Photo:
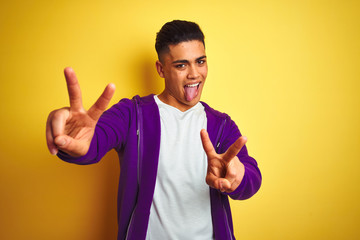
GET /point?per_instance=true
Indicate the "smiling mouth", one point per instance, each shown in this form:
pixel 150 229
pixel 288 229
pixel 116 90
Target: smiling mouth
pixel 193 85
pixel 191 91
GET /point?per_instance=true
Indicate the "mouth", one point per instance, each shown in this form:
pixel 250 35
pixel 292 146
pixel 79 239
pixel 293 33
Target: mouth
pixel 193 85
pixel 191 91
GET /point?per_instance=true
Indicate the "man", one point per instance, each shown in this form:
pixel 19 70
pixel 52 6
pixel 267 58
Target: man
pixel 175 176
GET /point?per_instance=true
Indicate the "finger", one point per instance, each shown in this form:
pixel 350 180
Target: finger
pixel 225 185
pixel 221 184
pixel 58 121
pixel 49 136
pixel 103 101
pixel 55 126
pixel 235 148
pixel 206 142
pixel 73 89
pixel 234 174
pixel 212 181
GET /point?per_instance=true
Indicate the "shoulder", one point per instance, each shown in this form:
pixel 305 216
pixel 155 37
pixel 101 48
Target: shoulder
pixel 230 130
pixel 127 103
pixel 213 114
pixel 144 101
pixel 138 106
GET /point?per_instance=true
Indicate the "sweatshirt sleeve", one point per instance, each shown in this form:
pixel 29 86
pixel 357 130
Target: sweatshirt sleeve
pixel 251 181
pixel 110 132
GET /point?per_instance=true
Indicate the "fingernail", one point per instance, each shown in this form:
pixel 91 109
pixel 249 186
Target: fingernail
pixel 221 187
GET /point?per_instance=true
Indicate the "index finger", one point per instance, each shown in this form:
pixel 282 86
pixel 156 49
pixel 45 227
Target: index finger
pixel 73 89
pixel 206 142
pixel 235 148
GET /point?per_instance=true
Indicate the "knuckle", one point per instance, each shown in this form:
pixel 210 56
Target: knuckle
pixel 209 181
pixel 58 114
pixel 51 115
pixel 232 172
pixel 232 175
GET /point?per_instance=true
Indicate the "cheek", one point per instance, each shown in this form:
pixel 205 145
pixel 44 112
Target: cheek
pixel 174 82
pixel 204 72
pixel 178 78
pixel 205 75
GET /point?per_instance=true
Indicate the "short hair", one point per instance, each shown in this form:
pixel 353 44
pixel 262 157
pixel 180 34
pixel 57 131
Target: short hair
pixel 175 32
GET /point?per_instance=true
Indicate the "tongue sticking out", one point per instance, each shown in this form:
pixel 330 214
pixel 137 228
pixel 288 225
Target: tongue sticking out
pixel 190 93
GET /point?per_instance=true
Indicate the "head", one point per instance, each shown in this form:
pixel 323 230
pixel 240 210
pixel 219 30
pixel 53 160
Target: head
pixel 182 63
pixel 175 32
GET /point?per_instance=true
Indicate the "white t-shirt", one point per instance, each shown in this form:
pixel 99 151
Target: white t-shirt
pixel 181 204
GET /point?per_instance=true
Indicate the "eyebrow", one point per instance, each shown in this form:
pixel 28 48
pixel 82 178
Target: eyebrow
pixel 186 61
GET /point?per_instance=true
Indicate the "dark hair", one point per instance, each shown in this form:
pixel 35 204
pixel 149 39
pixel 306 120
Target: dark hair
pixel 175 32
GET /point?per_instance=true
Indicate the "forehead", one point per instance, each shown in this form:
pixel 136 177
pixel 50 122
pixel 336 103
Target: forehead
pixel 188 50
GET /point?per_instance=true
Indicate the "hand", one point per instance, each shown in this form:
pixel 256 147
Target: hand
pixel 225 172
pixel 71 129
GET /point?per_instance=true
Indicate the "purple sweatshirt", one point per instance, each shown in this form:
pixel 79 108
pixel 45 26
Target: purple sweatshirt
pixel 132 128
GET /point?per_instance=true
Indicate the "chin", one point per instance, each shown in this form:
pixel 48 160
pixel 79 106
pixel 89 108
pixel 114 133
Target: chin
pixel 194 101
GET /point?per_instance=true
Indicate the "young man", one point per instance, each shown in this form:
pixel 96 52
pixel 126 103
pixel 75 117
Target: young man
pixel 180 159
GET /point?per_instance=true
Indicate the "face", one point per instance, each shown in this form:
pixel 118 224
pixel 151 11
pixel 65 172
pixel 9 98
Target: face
pixel 184 69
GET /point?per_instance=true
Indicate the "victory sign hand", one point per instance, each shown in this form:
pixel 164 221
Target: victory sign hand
pixel 225 172
pixel 70 129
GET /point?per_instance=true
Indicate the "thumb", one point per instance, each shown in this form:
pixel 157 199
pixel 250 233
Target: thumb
pixel 221 184
pixel 61 141
pixel 69 145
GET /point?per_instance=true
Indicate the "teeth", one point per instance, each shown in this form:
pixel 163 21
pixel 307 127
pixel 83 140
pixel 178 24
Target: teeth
pixel 192 85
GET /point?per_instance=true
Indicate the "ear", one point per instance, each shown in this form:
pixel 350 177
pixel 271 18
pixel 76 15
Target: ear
pixel 159 68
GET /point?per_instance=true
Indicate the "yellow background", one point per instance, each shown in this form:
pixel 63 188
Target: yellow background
pixel 286 71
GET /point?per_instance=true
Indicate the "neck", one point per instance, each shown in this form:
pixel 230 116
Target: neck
pixel 170 100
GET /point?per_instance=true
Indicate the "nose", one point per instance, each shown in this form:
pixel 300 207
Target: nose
pixel 193 72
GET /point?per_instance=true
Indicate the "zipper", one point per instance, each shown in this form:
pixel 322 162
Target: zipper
pixel 218 138
pixel 219 135
pixel 139 119
pixel 138 127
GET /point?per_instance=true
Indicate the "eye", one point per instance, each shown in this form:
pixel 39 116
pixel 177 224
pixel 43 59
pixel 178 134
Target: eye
pixel 201 61
pixel 180 65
